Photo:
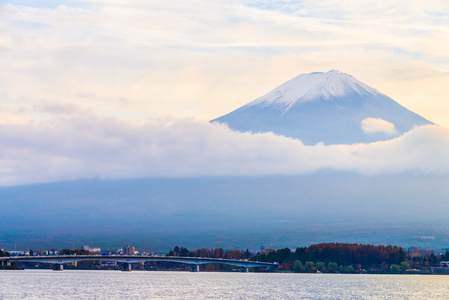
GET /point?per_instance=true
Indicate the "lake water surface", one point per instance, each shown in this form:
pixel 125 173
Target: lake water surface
pixel 77 284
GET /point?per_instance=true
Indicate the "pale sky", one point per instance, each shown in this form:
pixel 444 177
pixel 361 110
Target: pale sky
pixel 94 63
pixel 135 59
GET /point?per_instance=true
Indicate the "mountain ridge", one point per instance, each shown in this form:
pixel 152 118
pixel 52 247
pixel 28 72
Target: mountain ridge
pixel 274 211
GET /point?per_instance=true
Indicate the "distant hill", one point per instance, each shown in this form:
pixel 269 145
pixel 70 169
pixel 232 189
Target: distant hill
pixel 332 107
pixel 228 212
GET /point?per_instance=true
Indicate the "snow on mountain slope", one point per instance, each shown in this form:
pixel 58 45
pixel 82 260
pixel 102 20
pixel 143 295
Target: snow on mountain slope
pixel 331 107
pixel 313 86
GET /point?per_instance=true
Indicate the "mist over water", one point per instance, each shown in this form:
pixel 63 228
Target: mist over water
pixel 46 284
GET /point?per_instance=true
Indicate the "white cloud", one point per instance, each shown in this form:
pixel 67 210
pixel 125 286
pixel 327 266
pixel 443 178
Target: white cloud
pixel 377 125
pixel 206 58
pixel 88 146
pixel 62 66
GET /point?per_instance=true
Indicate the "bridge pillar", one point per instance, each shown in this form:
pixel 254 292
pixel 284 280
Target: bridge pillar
pixel 5 263
pixel 194 268
pixel 58 267
pixel 127 267
pixel 244 269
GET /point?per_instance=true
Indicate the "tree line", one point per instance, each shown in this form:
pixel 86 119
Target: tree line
pixel 210 252
pixel 332 258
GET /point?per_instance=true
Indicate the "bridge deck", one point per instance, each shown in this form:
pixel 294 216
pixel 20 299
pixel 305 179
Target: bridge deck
pixel 130 259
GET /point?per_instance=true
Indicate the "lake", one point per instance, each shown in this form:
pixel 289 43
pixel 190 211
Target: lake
pixel 80 284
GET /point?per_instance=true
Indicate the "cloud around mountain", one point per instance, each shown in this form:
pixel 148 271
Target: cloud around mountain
pixel 90 146
pixel 375 125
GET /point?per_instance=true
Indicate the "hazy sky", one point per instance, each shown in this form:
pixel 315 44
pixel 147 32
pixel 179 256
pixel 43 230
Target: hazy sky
pixel 205 58
pixel 103 88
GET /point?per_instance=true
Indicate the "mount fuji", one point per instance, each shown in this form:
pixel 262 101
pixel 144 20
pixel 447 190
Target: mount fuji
pixel 331 107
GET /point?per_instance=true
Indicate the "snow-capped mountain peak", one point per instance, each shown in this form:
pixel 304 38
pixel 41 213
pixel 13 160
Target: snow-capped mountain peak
pixel 313 86
pixel 331 107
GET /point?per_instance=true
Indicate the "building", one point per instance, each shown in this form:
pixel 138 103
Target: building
pixel 94 250
pixel 128 250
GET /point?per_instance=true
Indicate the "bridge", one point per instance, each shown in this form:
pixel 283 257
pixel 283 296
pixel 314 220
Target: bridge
pixel 127 260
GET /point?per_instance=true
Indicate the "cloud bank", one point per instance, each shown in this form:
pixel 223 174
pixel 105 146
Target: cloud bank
pixel 89 146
